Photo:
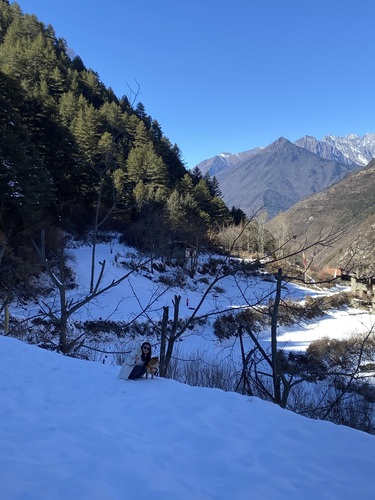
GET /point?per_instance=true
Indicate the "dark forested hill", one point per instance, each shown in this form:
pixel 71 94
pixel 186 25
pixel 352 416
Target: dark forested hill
pixel 73 127
pixel 73 154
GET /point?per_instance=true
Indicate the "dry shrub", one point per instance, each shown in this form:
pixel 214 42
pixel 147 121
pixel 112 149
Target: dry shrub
pixel 338 300
pixel 344 353
pixel 227 325
pixel 290 312
pixel 202 370
pixel 317 306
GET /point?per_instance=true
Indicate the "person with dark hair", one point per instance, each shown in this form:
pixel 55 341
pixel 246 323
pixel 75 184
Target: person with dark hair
pixel 135 363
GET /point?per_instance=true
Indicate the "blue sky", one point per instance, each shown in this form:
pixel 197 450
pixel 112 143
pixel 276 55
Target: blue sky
pixel 229 75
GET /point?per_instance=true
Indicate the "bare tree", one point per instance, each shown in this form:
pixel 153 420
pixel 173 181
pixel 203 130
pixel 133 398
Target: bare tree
pixel 171 333
pixel 282 382
pixel 60 316
pixel 286 372
pixel 106 148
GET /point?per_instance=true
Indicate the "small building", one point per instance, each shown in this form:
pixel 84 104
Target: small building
pixel 181 250
pixel 363 290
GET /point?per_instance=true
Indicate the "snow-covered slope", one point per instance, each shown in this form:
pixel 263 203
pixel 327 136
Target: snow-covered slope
pixel 70 429
pixel 143 290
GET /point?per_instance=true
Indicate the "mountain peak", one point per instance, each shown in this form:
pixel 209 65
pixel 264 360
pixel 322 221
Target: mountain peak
pixel 279 143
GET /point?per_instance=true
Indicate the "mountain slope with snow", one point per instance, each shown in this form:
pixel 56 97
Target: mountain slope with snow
pixel 324 150
pixel 351 149
pixel 72 429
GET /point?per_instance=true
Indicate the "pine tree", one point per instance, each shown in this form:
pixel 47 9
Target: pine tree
pixel 68 108
pixel 140 111
pixel 196 175
pixel 213 185
pixel 86 130
pixel 171 156
pixel 186 186
pixel 203 196
pixel 92 88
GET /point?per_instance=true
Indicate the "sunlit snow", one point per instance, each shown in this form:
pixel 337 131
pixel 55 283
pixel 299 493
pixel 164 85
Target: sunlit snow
pixel 70 429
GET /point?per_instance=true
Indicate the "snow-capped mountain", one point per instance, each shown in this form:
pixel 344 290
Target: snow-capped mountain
pixel 323 149
pixel 282 173
pixel 351 149
pixel 274 177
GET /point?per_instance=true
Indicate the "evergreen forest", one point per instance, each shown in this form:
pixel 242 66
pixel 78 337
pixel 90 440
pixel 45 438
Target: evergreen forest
pixel 74 157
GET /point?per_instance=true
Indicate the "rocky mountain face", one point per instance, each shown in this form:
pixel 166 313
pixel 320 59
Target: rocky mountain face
pixel 273 178
pixel 351 149
pixel 324 150
pixel 346 210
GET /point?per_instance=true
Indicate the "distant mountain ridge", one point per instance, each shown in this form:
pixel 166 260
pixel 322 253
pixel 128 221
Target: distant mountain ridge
pixel 283 173
pixel 223 160
pixel 351 149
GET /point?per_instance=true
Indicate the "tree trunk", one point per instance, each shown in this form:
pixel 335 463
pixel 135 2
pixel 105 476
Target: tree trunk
pixel 245 361
pixel 275 363
pixel 173 336
pixel 6 319
pixel 163 341
pixel 63 308
pixel 95 233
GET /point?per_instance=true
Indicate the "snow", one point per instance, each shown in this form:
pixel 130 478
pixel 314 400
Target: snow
pixel 335 324
pixel 358 149
pixel 72 429
pixel 128 299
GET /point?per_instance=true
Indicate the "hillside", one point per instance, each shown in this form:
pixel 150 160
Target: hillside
pixel 72 429
pixel 347 206
pixel 275 177
pixel 74 156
